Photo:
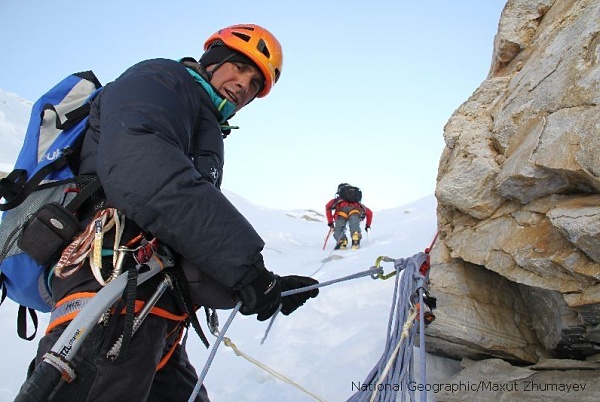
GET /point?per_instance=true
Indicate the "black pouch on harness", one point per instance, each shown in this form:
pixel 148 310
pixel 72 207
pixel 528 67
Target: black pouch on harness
pixel 48 232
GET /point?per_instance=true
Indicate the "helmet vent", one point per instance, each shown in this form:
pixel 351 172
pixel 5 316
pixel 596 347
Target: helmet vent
pixel 262 47
pixel 245 38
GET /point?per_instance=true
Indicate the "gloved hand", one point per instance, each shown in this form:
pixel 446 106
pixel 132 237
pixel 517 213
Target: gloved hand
pixel 261 296
pixel 292 302
pixel 330 224
pixel 367 228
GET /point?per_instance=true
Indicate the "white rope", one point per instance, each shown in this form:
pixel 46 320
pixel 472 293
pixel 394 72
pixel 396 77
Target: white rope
pixel 269 370
pixel 405 334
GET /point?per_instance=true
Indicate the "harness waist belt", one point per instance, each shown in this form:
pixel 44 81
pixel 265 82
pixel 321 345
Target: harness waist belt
pixel 68 308
pixel 346 215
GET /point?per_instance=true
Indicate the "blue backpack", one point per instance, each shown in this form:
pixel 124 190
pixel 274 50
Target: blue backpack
pixel 42 194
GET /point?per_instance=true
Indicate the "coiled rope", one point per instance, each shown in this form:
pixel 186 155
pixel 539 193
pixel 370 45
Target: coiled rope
pixel 394 370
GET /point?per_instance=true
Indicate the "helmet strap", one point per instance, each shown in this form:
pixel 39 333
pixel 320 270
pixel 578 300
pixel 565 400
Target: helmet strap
pixel 209 74
pixel 225 108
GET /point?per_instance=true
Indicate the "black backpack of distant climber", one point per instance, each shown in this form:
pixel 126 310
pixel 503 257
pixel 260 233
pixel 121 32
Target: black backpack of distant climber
pixel 350 193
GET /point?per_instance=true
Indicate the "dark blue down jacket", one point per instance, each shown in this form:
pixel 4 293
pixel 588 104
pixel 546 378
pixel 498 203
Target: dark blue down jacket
pixel 155 143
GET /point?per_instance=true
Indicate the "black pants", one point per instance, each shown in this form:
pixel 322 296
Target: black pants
pixel 133 377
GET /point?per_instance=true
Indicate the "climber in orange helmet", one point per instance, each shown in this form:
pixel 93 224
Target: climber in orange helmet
pixel 155 141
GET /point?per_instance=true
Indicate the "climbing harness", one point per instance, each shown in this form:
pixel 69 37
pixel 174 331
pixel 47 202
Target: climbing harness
pixel 56 364
pixel 395 364
pixel 346 215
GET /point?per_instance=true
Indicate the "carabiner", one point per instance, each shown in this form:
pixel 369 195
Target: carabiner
pixel 378 263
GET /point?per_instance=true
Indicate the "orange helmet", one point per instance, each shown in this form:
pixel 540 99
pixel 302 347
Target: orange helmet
pixel 258 44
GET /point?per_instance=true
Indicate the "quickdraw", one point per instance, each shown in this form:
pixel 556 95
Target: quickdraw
pixel 423 270
pixel 429 302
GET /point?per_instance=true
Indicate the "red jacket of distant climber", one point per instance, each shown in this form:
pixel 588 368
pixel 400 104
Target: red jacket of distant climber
pixel 337 207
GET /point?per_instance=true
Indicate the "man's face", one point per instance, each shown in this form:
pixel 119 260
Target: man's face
pixel 237 82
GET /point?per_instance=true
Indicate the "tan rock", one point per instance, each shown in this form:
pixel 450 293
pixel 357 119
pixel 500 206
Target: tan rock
pixel 517 265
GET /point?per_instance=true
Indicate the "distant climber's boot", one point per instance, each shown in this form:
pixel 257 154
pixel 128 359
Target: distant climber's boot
pixel 341 244
pixel 355 241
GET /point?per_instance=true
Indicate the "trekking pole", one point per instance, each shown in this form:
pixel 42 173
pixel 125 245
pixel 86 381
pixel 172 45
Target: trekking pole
pixel 327 237
pixel 56 364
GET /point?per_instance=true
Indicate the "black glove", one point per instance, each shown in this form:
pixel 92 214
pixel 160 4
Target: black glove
pixel 261 296
pixel 330 224
pixel 367 228
pixel 292 302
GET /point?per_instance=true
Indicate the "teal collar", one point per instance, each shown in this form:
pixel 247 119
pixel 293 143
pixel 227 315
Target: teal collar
pixel 225 108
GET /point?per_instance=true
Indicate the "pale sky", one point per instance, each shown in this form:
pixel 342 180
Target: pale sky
pixel 365 91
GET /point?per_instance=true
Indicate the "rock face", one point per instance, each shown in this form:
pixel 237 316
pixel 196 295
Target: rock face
pixel 516 267
pixel 496 380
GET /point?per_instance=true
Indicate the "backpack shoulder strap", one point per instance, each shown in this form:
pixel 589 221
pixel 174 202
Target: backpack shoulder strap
pixel 21 315
pixel 22 323
pixel 15 187
pixel 84 194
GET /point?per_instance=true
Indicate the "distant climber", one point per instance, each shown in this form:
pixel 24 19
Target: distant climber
pixel 346 208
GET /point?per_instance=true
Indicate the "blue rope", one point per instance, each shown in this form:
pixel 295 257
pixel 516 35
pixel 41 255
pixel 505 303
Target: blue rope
pixel 401 373
pixel 213 352
pixel 407 281
pixel 373 272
